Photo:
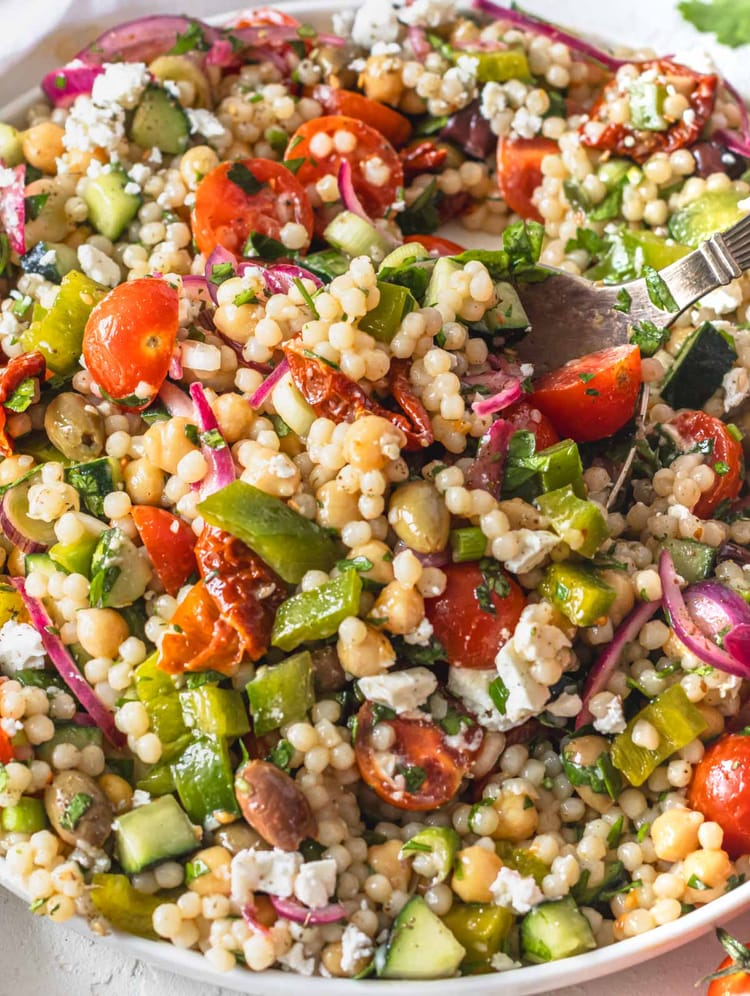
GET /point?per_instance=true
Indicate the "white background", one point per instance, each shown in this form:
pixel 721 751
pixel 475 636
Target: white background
pixel 42 959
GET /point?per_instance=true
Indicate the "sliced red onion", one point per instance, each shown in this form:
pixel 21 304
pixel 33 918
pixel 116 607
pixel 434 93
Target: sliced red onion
pixel 290 909
pixel 273 34
pixel 438 559
pixel 260 395
pixel 737 142
pixel 734 659
pixel 196 287
pixel 497 402
pixel 82 719
pixel 143 39
pixel 418 40
pixel 175 366
pixel 529 23
pixel 348 194
pixel 13 206
pixel 221 466
pixel 715 608
pixel 219 257
pixel 733 551
pixel 63 85
pixel 11 532
pixel 222 54
pixel 609 660
pixel 177 403
pixel 486 473
pixel 66 666
pixel 280 277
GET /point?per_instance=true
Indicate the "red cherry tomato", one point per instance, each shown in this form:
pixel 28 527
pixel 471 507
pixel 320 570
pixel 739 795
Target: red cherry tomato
pixel 388 122
pixel 266 15
pixel 436 245
pixel 428 770
pixel 129 340
pixel 697 427
pixel 6 748
pixel 519 172
pixel 369 147
pixel 229 207
pixel 470 634
pixel 169 542
pixel 720 789
pixel 592 397
pixel 738 956
pixel 526 417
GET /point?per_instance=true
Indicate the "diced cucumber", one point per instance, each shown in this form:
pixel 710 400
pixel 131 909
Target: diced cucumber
pixel 41 563
pixel 409 252
pixel 481 929
pixel 714 211
pixel 706 355
pixel 646 100
pixel 219 711
pixel 16 509
pixel 292 407
pixel 111 206
pixel 356 237
pixel 555 930
pixel 281 693
pixel 441 843
pixel 51 260
pixel 69 733
pixel 507 315
pixel 204 779
pixel 420 946
pixel 160 122
pixel 27 816
pixel 442 272
pixel 119 574
pixel 75 558
pixel 155 832
pixel 693 561
pixel 94 480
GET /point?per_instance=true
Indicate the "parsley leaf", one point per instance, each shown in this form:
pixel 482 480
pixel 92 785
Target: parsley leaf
pixel 499 693
pixel 195 869
pixel 34 204
pixel 658 292
pixel 264 246
pixel 414 776
pixel 23 396
pixel 416 653
pixel 493 582
pixel 241 177
pixel 648 337
pixel 75 810
pixel 281 755
pixel 191 39
pixel 453 720
pixel 729 20
pixel 588 240
pixel 623 302
pixel 221 272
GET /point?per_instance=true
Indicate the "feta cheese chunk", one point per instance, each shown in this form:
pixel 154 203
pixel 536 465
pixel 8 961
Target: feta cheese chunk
pixel 90 126
pixel 472 685
pixel 121 83
pixel 526 697
pixel 316 883
pixel 724 300
pixel 533 547
pixel 613 720
pixel 355 945
pixel 205 123
pixel 736 384
pixel 402 691
pixel 375 21
pixel 20 647
pixel 273 872
pixel 428 13
pixel 98 265
pixel 515 891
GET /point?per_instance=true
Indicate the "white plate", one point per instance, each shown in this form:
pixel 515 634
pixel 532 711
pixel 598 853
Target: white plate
pixel 521 982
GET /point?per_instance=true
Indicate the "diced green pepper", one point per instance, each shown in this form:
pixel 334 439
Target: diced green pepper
pixel 677 722
pixel 441 843
pixel 59 334
pixel 317 614
pixel 578 592
pixel 288 542
pixel 76 557
pixel 499 66
pixel 11 605
pixel 693 561
pixel 522 860
pixel 158 780
pixel 480 929
pixel 383 322
pixel 467 543
pixel 646 101
pixel 158 693
pixel 27 816
pixel 204 779
pixel 281 693
pixel 220 711
pixel 578 522
pixel 560 464
pixel 123 906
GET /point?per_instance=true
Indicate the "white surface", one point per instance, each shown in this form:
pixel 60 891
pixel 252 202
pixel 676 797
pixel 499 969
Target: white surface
pixel 41 958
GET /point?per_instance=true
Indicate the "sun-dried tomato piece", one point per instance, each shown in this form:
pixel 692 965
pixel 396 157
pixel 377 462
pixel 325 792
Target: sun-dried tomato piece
pixel 202 640
pixel 420 433
pixel 422 157
pixel 20 368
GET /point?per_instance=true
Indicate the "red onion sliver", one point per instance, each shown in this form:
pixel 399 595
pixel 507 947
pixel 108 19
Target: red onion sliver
pixel 486 472
pixel 62 86
pixel 257 399
pixel 438 559
pixel 177 403
pixel 496 403
pixel 221 466
pixel 348 194
pixel 290 909
pixel 175 366
pixel 142 39
pixel 250 916
pixel 13 206
pixel 418 40
pixel 196 287
pixel 66 666
pixel 218 257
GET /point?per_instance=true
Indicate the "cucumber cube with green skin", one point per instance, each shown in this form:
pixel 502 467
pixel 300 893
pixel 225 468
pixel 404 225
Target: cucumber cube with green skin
pixel 440 842
pixel 51 260
pixel 204 779
pixel 155 832
pixel 692 560
pixel 317 614
pixel 578 592
pixel 158 693
pixel 714 211
pixel 160 122
pixel 281 693
pixel 420 946
pixel 481 929
pixel 578 522
pixel 27 816
pixel 111 205
pixel 554 930
pixel 219 711
pixel 646 101
pixel 698 370
pixel 123 906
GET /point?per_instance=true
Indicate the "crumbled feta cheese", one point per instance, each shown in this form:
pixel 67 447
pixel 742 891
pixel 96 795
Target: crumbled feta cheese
pixel 132 188
pixel 428 13
pixel 20 647
pixel 296 960
pixel 613 720
pixel 736 384
pixel 7 176
pixel 273 872
pixel 471 685
pixel 48 257
pixel 205 123
pixel 695 58
pixel 566 705
pixel 502 962
pixel 121 83
pixel 140 798
pixel 514 891
pixel 533 547
pixel 316 883
pixel 420 636
pixel 98 265
pixel 90 126
pixel 535 638
pixel 355 945
pixel 375 21
pixel 724 300
pixel 526 697
pixel 402 691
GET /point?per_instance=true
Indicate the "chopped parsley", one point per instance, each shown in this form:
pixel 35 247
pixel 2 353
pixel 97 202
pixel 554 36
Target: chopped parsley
pixel 195 869
pixel 23 396
pixel 499 693
pixel 623 301
pixel 221 272
pixel 414 776
pixel 264 246
pixel 648 337
pixel 658 292
pixel 493 582
pixel 281 755
pixel 241 177
pixel 75 810
pixel 190 40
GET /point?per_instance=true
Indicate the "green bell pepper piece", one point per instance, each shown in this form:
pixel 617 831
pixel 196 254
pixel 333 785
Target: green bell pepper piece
pixel 288 542
pixel 677 722
pixel 439 842
pixel 204 779
pixel 27 816
pixel 578 592
pixel 560 464
pixel 522 860
pixel 281 693
pixel 37 444
pixel 499 66
pixel 480 929
pixel 646 101
pixel 220 711
pixel 578 522
pixel 157 780
pixel 58 335
pixel 76 557
pixel 383 322
pixel 11 605
pixel 317 614
pixel 158 693
pixel 468 543
pixel 693 561
pixel 123 906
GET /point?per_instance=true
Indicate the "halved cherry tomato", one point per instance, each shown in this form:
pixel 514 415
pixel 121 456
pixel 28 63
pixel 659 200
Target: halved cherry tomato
pixel 519 172
pixel 388 122
pixel 371 151
pixel 726 455
pixel 266 15
pixel 736 983
pixel 6 748
pixel 436 245
pixel 592 397
pixel 129 340
pixel 524 416
pixel 470 634
pixel 201 640
pixel 422 156
pixel 720 789
pixel 226 213
pixel 428 770
pixel 169 542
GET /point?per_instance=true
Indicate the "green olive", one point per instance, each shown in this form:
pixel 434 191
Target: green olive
pixel 584 752
pixel 419 517
pixel 75 427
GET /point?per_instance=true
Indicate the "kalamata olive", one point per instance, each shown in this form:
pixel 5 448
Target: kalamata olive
pixel 714 157
pixel 419 517
pixel 584 752
pixel 273 805
pixel 80 813
pixel 74 426
pixel 328 674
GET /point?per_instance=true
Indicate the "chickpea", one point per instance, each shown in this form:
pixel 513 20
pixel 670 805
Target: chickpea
pixel 234 415
pixel 269 471
pixel 373 656
pixel 401 608
pixel 624 594
pixel 52 223
pixel 195 163
pixel 476 870
pixel 166 443
pixel 118 791
pixel 384 859
pixel 381 558
pixel 712 868
pixel 237 322
pixel 371 442
pixel 74 426
pixel 42 145
pixel 101 631
pixel 218 878
pixel 419 516
pixel 713 718
pixel 144 482
pixel 330 957
pixel 585 751
pixel 335 506
pixel 518 816
pixel 675 833
pixel 381 79
pixel 79 160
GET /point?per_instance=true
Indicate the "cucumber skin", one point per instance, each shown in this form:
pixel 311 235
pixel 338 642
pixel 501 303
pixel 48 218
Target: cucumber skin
pixel 160 121
pixel 420 946
pixel 554 930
